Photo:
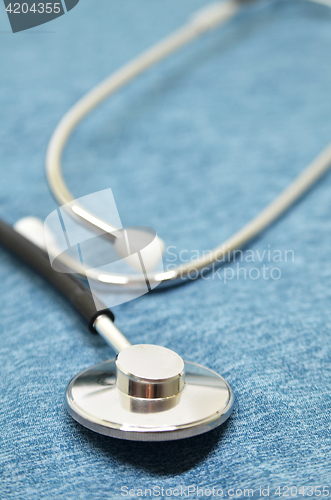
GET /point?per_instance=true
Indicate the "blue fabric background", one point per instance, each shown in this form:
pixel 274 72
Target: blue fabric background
pixel 194 149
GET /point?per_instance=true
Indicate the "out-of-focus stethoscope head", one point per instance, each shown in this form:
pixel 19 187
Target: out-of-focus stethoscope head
pixel 148 393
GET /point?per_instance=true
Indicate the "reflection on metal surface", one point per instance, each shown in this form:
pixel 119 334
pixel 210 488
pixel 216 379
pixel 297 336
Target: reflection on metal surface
pixel 94 401
pixel 149 372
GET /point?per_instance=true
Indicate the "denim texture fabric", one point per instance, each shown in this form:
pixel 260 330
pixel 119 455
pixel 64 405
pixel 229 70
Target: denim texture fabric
pixel 194 149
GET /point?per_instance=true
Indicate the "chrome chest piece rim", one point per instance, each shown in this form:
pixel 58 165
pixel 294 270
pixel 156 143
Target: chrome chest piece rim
pixel 148 393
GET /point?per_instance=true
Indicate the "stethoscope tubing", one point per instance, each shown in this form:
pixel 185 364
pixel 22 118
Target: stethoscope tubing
pixel 208 18
pixel 72 288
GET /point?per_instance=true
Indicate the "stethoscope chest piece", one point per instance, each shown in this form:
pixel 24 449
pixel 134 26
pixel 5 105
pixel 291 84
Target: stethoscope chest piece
pixel 148 393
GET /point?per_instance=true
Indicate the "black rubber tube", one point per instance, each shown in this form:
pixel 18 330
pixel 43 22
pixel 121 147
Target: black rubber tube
pixel 70 286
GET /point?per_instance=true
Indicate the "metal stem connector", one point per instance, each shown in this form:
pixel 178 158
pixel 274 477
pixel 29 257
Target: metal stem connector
pixel 112 335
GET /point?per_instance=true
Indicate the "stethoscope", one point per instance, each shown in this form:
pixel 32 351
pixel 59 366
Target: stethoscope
pixel 147 393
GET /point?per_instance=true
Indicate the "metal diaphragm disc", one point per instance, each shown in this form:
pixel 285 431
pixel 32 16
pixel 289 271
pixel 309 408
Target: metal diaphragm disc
pixel 94 401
